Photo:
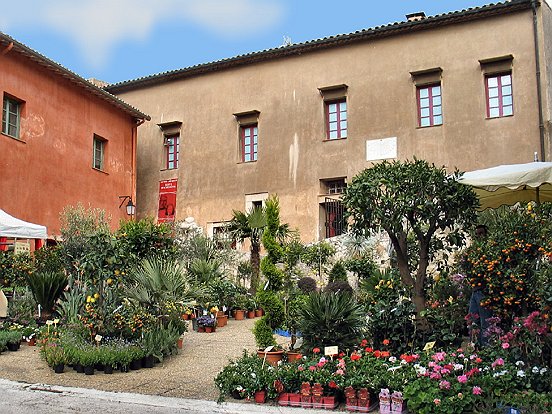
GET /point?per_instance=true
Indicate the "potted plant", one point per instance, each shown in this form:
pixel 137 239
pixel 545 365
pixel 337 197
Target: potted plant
pixel 207 323
pixel 266 344
pixel 55 357
pixel 14 340
pixel 108 357
pixel 88 358
pixel 240 305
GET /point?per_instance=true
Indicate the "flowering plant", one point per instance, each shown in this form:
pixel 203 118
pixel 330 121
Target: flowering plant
pixel 206 320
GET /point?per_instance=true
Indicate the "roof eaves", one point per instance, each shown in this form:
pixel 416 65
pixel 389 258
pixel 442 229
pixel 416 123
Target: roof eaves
pixel 390 29
pixel 70 76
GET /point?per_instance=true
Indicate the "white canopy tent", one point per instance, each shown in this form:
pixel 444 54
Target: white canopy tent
pixel 14 228
pixel 509 184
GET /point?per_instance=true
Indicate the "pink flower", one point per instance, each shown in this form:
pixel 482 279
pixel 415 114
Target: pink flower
pixel 312 368
pixel 339 372
pixel 477 390
pixel 300 368
pixel 435 376
pixel 439 356
pixel 436 401
pixel 462 379
pixel 505 345
pixel 444 385
pixel 498 361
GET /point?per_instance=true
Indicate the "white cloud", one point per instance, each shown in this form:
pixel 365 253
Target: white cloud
pixel 97 26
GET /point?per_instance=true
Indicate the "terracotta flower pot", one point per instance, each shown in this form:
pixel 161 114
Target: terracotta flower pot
pixel 222 321
pixel 294 356
pixel 239 315
pixel 260 397
pixel 251 314
pixel 272 357
pixel 258 313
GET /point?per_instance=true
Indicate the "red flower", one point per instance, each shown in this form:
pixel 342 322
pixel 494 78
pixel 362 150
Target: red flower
pixel 368 349
pixel 377 353
pixel 355 357
pixel 316 350
pixel 386 341
pixel 332 384
pixel 363 343
pixel 385 354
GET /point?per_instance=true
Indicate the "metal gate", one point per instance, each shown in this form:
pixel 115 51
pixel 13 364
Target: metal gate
pixel 335 222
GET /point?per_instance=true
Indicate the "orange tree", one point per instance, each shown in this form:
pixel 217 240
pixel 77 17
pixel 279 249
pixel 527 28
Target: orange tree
pixel 412 201
pixel 511 265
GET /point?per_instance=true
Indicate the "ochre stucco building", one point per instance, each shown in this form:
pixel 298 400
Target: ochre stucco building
pixel 463 89
pixel 63 141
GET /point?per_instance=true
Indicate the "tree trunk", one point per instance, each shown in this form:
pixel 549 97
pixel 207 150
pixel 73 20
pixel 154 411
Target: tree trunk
pixel 255 265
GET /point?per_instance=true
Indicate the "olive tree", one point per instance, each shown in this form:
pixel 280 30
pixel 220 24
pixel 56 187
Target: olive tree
pixel 412 201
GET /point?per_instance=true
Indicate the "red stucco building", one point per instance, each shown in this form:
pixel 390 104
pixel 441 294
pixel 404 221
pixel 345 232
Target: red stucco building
pixel 63 140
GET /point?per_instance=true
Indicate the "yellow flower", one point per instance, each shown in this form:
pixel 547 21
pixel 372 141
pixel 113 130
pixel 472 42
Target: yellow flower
pixel 117 272
pixel 96 295
pixel 92 300
pixel 109 281
pixel 88 299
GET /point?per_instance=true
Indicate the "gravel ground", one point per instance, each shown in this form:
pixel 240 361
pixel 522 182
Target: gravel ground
pixel 189 374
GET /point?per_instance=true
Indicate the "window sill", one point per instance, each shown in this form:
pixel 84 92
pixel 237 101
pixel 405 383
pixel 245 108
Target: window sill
pixel 247 162
pixel 169 169
pixel 14 138
pixel 429 126
pixel 100 171
pixel 499 117
pixel 334 139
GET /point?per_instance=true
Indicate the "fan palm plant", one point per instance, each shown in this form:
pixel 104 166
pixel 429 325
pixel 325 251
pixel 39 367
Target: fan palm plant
pixel 250 225
pixel 47 287
pixel 157 280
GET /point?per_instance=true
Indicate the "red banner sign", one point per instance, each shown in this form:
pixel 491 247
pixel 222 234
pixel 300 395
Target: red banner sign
pixel 167 200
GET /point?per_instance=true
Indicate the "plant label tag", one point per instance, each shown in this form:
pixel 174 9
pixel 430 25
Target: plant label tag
pixel 429 346
pixel 224 308
pixel 269 348
pixel 331 350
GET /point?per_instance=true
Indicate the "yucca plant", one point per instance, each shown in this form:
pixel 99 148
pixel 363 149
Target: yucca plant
pixel 329 319
pixel 47 287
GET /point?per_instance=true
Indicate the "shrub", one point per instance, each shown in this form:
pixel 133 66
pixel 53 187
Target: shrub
pixel 339 286
pixel 331 319
pixel 272 306
pixel 263 334
pixel 307 284
pixel 338 272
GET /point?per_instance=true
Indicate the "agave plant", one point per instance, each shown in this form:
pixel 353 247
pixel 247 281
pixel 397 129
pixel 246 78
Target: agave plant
pixel 329 319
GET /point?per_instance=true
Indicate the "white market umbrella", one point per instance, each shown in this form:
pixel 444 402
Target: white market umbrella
pixel 509 184
pixel 18 229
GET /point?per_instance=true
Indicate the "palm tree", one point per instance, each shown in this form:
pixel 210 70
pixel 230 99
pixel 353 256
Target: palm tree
pixel 250 226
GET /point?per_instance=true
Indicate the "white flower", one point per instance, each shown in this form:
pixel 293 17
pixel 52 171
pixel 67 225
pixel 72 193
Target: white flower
pixel 254 375
pixel 458 367
pixel 500 373
pixel 543 370
pixel 521 373
pixel 520 363
pixel 420 370
pixel 392 359
pixel 535 370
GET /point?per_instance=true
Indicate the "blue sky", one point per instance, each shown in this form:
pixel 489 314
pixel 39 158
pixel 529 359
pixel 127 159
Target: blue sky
pixel 116 40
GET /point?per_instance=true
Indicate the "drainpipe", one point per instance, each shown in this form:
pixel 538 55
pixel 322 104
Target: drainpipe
pixel 534 5
pixel 134 149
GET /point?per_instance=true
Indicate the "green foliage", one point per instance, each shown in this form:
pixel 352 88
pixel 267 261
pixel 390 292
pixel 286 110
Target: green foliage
pixel 14 268
pixel 223 292
pixel 22 307
pixel 504 265
pixel 205 271
pixel 263 334
pixel 401 197
pixel 338 272
pixel 244 376
pixel 156 280
pixel 362 266
pixel 250 225
pixel 317 257
pixel 329 319
pixel 47 288
pixel 273 307
pixel 48 259
pixel 272 239
pixel 389 308
pixel 71 304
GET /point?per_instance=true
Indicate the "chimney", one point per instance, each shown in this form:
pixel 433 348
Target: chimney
pixel 415 17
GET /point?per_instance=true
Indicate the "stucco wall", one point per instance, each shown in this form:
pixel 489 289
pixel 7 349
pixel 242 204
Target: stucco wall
pixel 50 167
pixel 293 155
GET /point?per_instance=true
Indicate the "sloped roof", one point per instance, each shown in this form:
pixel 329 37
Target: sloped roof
pixel 391 29
pixel 10 45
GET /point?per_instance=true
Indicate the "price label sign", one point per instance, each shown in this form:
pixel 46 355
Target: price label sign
pixel 429 346
pixel 331 350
